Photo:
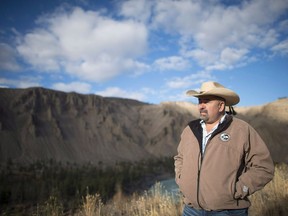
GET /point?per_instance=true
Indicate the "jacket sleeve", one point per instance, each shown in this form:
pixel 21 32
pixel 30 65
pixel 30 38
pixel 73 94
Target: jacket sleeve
pixel 259 166
pixel 178 161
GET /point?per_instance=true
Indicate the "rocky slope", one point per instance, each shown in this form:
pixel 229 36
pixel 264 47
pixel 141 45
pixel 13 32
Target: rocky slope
pixel 42 124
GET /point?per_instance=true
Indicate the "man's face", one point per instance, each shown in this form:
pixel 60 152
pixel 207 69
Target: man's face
pixel 211 108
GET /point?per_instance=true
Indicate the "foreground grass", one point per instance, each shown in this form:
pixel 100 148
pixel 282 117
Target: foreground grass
pixel 151 203
pixel 271 201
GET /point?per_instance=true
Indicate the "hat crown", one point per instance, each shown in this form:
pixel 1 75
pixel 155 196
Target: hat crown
pixel 207 86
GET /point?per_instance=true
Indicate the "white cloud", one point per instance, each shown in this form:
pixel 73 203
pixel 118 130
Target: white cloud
pixel 217 66
pixel 281 48
pixel 22 82
pixel 41 49
pixel 283 26
pixel 121 93
pixel 8 58
pixel 230 56
pixel 178 83
pixel 203 57
pixel 73 87
pixel 269 39
pixel 208 29
pixel 182 19
pixel 87 44
pixel 224 59
pixel 189 81
pixel 4 86
pixel 172 63
pixel 140 10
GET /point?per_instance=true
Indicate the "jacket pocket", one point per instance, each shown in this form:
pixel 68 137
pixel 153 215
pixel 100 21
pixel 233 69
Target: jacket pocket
pixel 241 190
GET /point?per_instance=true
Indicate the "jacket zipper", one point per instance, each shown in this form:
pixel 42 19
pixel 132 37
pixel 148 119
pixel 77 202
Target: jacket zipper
pixel 200 159
pixel 201 155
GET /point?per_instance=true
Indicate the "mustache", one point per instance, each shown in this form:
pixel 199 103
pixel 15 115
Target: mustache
pixel 203 111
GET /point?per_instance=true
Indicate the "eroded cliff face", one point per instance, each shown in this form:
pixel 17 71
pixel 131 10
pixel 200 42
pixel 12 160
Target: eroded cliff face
pixel 42 124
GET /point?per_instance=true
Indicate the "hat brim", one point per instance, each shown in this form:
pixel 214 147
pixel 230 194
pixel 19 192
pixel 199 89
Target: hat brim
pixel 230 97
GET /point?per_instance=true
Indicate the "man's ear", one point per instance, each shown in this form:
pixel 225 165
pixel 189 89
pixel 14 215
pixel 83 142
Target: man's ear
pixel 221 106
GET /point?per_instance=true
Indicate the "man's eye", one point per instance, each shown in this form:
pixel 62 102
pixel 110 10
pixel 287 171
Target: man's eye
pixel 204 101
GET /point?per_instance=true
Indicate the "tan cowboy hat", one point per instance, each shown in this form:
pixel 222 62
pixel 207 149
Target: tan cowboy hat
pixel 216 89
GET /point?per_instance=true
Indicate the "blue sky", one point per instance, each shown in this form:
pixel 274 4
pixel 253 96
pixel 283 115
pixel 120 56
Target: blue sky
pixel 152 51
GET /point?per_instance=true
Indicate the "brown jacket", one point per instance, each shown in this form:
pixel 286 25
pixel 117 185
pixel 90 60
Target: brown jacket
pixel 236 163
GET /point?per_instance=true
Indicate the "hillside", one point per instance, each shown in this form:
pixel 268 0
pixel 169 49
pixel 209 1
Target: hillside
pixel 42 124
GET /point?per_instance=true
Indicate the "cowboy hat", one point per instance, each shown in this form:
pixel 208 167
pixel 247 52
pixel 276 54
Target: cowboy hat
pixel 216 89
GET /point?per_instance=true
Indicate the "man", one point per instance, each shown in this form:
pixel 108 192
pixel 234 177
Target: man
pixel 221 159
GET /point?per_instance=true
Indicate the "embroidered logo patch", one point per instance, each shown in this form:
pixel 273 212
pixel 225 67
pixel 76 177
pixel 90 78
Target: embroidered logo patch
pixel 245 189
pixel 224 137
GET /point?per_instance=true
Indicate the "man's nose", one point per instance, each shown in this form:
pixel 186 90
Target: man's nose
pixel 201 105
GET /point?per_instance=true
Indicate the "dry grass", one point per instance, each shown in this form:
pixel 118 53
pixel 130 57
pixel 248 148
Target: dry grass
pixel 52 207
pixel 152 203
pixel 271 201
pixel 92 205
